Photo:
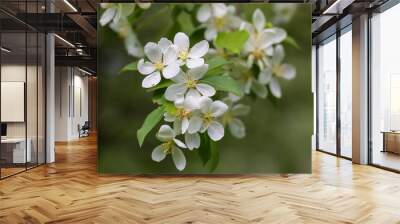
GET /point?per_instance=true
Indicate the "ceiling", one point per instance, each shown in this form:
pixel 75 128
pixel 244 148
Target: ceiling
pixel 76 21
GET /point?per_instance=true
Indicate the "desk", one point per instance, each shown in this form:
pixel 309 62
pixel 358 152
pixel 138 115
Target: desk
pixel 391 141
pixel 17 150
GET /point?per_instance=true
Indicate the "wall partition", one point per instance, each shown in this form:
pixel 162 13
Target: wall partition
pixel 385 89
pixel 22 98
pixel 334 94
pixel 327 95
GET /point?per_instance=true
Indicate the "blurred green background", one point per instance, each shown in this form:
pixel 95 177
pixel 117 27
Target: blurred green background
pixel 278 131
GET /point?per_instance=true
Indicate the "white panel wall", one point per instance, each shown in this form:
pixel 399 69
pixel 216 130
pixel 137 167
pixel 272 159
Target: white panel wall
pixel 71 102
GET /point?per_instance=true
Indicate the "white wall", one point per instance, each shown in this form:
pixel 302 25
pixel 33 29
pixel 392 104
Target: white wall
pixel 71 102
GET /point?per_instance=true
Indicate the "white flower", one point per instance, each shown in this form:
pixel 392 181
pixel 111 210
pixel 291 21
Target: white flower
pixel 160 63
pixel 189 84
pixel 283 12
pixel 116 11
pixel 218 17
pixel 181 116
pixel 277 70
pixel 191 57
pixel 170 146
pixel 235 125
pixel 207 120
pixel 259 45
pixel 180 119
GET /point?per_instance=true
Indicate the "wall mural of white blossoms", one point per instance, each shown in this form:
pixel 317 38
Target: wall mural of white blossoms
pixel 200 81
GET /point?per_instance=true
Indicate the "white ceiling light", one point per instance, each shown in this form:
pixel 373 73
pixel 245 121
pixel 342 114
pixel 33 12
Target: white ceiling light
pixel 64 40
pixel 5 50
pixel 338 6
pixel 84 71
pixel 70 5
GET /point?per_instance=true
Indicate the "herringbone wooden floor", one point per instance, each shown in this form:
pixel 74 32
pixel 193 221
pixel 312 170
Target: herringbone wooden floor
pixel 70 191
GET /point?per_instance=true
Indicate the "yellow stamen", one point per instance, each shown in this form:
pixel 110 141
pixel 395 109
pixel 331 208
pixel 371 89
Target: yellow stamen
pixel 167 147
pixel 182 113
pixel 191 83
pixel 219 22
pixel 258 54
pixel 207 118
pixel 159 66
pixel 277 70
pixel 183 55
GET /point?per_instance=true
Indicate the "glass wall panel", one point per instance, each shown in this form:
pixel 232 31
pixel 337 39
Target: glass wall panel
pixel 22 88
pixel 385 89
pixel 327 96
pixel 346 94
pixel 14 154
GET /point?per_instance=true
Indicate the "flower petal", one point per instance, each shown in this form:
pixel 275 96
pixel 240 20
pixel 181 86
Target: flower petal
pixel 193 93
pixel 107 16
pixel 153 52
pixel 179 158
pixel 179 143
pixel 205 104
pixel 165 133
pixel 192 140
pixel 287 71
pixel 265 76
pixel 259 89
pixel 194 62
pixel 279 54
pixel 195 124
pixel 164 43
pixel 280 35
pixel 210 33
pixel 215 131
pixel 170 56
pixel 185 124
pixel 171 70
pixel 240 110
pixel 199 49
pixel 218 108
pixel 198 72
pixel 151 80
pixel 145 68
pixel 191 103
pixel 259 20
pixel 205 89
pixel 266 38
pixel 181 41
pixel 180 78
pixel 169 117
pixel 177 126
pixel 133 45
pixel 144 5
pixel 219 9
pixel 158 153
pixel 174 91
pixel 204 13
pixel 275 88
pixel 237 128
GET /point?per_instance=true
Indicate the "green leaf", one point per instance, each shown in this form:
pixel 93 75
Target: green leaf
pixel 214 156
pixel 215 66
pixel 163 84
pixel 169 107
pixel 223 83
pixel 232 41
pixel 131 67
pixel 291 41
pixel 149 123
pixel 204 149
pixel 185 21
